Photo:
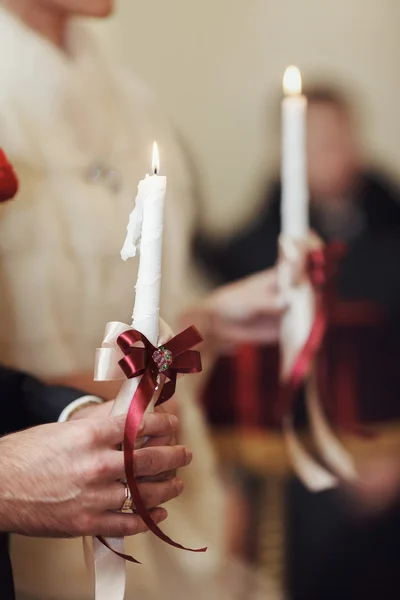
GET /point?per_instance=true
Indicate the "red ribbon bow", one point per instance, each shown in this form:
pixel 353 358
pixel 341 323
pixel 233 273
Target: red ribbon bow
pixel 173 358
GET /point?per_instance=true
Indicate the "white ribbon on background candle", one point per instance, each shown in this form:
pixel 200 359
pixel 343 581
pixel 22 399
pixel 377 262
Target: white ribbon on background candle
pixel 332 451
pixel 145 223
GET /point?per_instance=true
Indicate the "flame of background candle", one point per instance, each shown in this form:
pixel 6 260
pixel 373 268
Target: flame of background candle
pixel 156 159
pixel 292 85
pixel 294 169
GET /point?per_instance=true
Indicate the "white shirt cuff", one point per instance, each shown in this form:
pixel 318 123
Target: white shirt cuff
pixel 78 403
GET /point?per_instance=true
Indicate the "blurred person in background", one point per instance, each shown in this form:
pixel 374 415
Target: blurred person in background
pixel 330 553
pixel 350 201
pixel 79 133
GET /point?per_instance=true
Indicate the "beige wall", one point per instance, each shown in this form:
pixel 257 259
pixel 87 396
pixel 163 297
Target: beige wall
pixel 214 64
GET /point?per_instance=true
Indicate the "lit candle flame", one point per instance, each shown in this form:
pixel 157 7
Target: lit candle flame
pixel 156 159
pixel 292 85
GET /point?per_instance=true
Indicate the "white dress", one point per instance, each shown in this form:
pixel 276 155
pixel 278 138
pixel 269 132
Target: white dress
pixel 61 278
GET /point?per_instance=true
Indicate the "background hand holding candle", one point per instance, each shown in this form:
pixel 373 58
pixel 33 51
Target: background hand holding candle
pixel 249 310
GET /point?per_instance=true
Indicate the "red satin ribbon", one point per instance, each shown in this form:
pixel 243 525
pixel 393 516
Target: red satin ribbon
pixel 139 361
pixel 8 179
pixel 322 267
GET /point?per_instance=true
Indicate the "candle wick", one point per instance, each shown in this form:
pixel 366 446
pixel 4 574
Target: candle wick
pixel 155 171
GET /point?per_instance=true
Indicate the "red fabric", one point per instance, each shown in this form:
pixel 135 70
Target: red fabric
pixel 248 400
pixel 8 179
pixel 358 375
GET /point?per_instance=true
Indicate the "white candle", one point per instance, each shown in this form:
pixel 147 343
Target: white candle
pixel 294 211
pixel 294 165
pixel 146 221
pixel 145 224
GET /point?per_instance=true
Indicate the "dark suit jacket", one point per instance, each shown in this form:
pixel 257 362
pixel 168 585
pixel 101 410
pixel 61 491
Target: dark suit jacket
pixel 25 402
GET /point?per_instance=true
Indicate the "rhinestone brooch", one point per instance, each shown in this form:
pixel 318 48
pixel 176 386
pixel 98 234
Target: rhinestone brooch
pixel 163 359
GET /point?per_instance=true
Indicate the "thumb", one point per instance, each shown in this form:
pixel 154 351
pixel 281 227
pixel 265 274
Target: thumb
pixel 115 429
pixel 314 242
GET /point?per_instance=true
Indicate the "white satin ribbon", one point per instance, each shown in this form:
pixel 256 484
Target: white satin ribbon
pixel 107 357
pixel 334 454
pixel 297 290
pixel 308 470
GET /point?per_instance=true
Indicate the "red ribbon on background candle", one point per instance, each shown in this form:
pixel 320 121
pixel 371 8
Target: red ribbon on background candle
pixel 322 266
pixel 172 358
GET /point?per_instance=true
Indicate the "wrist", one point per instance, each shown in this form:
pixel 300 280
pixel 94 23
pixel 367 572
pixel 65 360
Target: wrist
pixel 79 408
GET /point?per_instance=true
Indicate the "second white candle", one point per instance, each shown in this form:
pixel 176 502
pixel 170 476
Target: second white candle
pixel 295 194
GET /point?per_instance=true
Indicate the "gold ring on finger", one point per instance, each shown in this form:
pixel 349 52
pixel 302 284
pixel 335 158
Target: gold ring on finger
pixel 128 502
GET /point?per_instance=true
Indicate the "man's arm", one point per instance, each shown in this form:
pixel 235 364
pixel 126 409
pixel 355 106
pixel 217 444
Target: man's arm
pixel 26 402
